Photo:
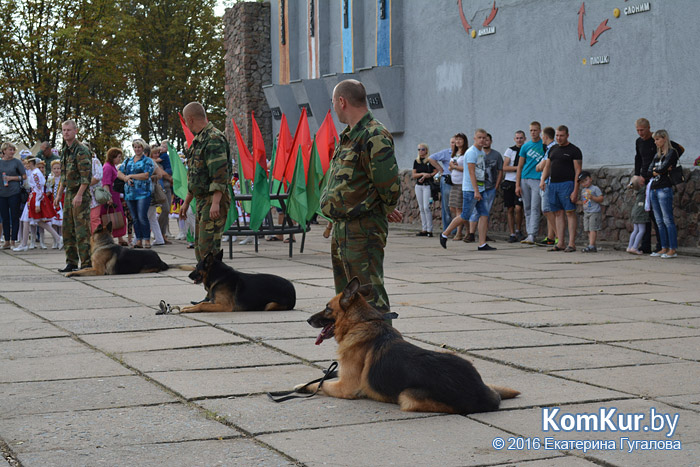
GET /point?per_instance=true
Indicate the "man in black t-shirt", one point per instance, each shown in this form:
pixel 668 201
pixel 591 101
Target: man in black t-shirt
pixel 645 150
pixel 563 168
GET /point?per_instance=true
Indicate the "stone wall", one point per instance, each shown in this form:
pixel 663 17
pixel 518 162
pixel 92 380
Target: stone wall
pixel 616 207
pixel 248 66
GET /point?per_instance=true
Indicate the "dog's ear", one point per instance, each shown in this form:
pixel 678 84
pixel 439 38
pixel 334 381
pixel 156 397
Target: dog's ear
pixel 207 259
pixel 220 255
pixel 366 290
pixel 99 228
pixel 349 293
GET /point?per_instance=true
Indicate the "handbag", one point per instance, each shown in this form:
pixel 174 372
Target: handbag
pixel 159 194
pixel 102 195
pixel 676 175
pixel 23 195
pixel 113 216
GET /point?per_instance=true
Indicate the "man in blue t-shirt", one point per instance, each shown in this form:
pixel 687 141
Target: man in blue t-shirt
pixel 472 187
pixel 527 181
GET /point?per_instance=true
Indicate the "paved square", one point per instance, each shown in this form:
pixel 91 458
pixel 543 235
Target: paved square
pixel 89 375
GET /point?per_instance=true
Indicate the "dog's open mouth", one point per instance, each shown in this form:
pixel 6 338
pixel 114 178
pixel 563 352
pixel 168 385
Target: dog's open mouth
pixel 326 333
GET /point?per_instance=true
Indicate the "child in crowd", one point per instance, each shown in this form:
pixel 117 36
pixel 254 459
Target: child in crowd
pixel 639 216
pixel 590 199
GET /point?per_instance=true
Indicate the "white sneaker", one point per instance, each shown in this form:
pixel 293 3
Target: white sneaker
pixel 41 244
pixel 32 245
pixel 20 248
pixel 246 241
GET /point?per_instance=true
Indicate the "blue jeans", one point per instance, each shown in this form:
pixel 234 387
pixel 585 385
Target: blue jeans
pixel 488 197
pixel 9 213
pixel 139 212
pixel 445 202
pixel 662 204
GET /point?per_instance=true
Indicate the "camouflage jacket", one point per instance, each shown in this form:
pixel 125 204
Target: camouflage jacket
pixel 363 177
pixel 76 165
pixel 208 162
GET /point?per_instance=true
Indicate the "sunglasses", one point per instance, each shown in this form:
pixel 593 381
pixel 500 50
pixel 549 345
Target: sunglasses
pixel 422 149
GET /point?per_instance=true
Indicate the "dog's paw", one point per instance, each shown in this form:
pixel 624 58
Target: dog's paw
pixel 187 309
pixel 305 388
pixel 71 274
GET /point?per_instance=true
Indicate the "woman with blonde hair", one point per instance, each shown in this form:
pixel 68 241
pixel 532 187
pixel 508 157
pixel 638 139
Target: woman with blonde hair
pixel 136 173
pixel 661 193
pixel 423 172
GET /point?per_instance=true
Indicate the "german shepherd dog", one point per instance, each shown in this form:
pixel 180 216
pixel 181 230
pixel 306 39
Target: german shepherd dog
pixel 109 258
pixel 230 290
pixel 377 363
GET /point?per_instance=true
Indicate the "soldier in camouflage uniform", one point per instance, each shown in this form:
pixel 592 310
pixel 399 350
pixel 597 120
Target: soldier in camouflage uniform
pixel 361 194
pixel 208 179
pixel 76 173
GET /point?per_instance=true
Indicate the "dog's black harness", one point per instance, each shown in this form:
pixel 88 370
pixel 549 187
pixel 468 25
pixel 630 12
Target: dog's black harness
pixel 281 396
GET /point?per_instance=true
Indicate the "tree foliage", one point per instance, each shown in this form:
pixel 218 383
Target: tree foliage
pixel 107 64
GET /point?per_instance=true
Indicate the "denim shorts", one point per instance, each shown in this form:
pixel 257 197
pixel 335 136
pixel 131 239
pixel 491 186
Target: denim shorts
pixel 488 197
pixel 470 204
pixel 560 196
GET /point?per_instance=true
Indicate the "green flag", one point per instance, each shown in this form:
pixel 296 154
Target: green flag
pixel 180 181
pixel 260 205
pixel 313 183
pixel 245 187
pixel 296 203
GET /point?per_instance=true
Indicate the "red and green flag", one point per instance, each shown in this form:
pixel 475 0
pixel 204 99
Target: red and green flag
pixel 313 183
pixel 297 207
pixel 260 205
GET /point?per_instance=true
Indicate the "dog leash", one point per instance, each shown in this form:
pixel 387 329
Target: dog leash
pixel 282 396
pixel 166 308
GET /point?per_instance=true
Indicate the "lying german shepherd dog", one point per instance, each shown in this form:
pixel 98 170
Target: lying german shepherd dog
pixel 231 290
pixel 376 363
pixel 108 258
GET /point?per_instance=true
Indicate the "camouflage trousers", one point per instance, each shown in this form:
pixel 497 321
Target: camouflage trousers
pixel 76 229
pixel 207 232
pixel 357 249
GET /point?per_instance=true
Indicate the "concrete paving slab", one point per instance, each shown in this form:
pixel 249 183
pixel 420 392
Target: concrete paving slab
pixel 409 312
pixel 29 330
pixel 292 329
pixel 245 317
pixel 445 323
pixel 494 339
pixel 645 381
pixel 47 284
pixel 687 348
pixel 46 303
pixel 235 382
pixel 41 348
pixel 161 339
pixel 535 319
pixel 433 298
pixel 60 367
pixel 178 454
pixel 689 322
pixel 20 399
pixel 556 461
pixel 212 357
pixel 258 414
pixel 657 312
pixel 13 314
pixel 536 291
pixel 449 440
pixel 593 302
pixel 641 290
pixel 528 423
pixel 126 323
pixel 487 306
pixel 573 357
pixel 110 427
pixel 96 314
pixel 685 401
pixel 622 331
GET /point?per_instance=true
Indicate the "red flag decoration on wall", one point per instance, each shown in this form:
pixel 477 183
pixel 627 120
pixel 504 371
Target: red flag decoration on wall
pixel 258 145
pixel 188 134
pixel 245 159
pixel 326 139
pixel 302 139
pixel 284 146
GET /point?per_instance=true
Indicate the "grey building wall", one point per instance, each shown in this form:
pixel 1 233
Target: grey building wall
pixel 530 69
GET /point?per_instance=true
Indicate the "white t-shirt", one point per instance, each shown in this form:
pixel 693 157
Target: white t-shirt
pixel 456 174
pixel 510 154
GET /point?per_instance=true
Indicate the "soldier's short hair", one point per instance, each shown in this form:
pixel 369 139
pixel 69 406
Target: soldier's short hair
pixel 352 91
pixel 563 128
pixel 195 110
pixel 70 121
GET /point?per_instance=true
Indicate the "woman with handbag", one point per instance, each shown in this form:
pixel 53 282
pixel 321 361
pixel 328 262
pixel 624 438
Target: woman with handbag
pixel 159 198
pixel 13 173
pixel 661 193
pixel 113 211
pixel 423 172
pixel 137 172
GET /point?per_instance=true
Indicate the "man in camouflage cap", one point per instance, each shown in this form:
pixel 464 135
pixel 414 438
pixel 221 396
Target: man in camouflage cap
pixel 361 194
pixel 208 179
pixel 76 174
